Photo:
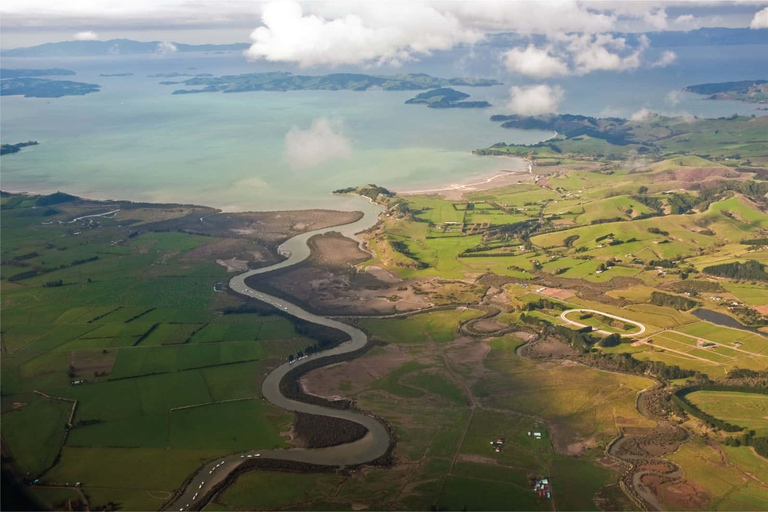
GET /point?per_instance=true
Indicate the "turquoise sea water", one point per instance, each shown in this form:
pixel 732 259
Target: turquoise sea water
pixel 134 140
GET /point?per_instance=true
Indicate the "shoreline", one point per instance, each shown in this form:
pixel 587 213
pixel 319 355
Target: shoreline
pixel 456 191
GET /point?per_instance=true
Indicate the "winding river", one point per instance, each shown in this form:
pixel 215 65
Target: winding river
pixel 371 446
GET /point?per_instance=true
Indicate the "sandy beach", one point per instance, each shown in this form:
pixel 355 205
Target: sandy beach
pixel 456 191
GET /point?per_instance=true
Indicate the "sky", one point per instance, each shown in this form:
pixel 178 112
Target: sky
pixel 386 29
pixel 579 37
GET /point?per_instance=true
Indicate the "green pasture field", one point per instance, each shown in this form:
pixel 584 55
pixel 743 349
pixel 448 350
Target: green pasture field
pixel 576 481
pixel 391 382
pixel 493 217
pixel 636 293
pixel 134 362
pixel 730 488
pixel 676 348
pixel 618 206
pixel 128 475
pixel 424 426
pixel 282 348
pixel 749 410
pixel 268 490
pixel 437 326
pixel 472 494
pixel 126 444
pixel 141 431
pixel 752 294
pixel 437 211
pixel 228 382
pixel 589 401
pixel 35 431
pixel 439 385
pixel 229 426
pixel 708 368
pixel 728 337
pixel 494 472
pixel 519 451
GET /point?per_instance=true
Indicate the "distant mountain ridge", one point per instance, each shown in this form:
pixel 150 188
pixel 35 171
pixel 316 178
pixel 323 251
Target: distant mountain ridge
pixel 666 39
pixel 113 47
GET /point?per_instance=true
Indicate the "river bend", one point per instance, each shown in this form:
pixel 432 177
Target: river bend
pixel 376 441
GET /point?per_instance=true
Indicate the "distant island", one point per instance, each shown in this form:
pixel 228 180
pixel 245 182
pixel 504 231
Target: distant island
pixel 43 88
pixel 445 97
pixel 176 75
pixel 116 74
pixel 9 149
pixel 113 47
pixel 19 73
pixel 751 91
pixel 282 81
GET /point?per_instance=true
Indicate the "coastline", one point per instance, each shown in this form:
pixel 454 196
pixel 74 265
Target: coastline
pixel 500 178
pixel 521 170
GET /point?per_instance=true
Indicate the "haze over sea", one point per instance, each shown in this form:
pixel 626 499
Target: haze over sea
pixel 134 140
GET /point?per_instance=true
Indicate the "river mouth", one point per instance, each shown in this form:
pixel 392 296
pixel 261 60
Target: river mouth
pixel 724 320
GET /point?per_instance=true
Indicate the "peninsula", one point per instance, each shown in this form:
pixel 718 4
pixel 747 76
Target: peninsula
pixel 7 149
pixel 445 97
pixel 283 81
pixel 750 91
pixel 43 88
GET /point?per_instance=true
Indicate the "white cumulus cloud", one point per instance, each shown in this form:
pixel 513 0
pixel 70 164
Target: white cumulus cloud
pixel 673 97
pixel 604 52
pixel 322 142
pixel 535 99
pixel 656 19
pixel 760 20
pixel 377 34
pixel 685 21
pixel 667 58
pixel 88 35
pixel 535 62
pixel 641 115
pixel 533 17
pixel 165 48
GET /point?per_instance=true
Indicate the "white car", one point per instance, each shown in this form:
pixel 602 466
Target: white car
pixel 258 455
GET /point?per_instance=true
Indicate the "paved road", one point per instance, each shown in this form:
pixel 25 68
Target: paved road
pixel 373 445
pixel 626 320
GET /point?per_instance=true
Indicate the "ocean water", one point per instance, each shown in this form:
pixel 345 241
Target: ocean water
pixel 134 140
